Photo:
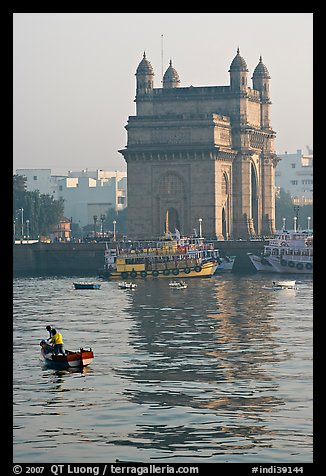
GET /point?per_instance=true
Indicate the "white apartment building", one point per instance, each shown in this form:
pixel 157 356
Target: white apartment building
pixel 294 173
pixel 85 193
pixel 92 193
pixel 41 180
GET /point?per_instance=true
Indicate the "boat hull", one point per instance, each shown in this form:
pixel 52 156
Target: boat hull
pixel 270 264
pixel 205 270
pixel 226 265
pixel 78 359
pixel 261 264
pixel 86 286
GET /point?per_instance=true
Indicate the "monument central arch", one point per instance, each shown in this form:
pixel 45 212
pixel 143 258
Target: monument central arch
pixel 254 201
pixel 171 204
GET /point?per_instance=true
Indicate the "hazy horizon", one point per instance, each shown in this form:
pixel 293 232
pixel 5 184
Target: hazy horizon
pixel 74 76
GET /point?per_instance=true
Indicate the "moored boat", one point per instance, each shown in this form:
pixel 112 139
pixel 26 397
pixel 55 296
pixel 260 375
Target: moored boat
pixel 225 264
pixel 125 285
pixel 279 285
pixel 288 252
pixel 178 284
pixel 284 284
pixel 84 285
pixel 78 359
pixel 164 258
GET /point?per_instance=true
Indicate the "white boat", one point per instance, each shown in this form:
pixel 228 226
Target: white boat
pixel 288 252
pixel 225 264
pixel 178 284
pixel 284 284
pixel 125 285
pixel 279 285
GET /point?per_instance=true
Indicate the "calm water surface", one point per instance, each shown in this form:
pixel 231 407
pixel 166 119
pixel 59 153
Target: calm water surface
pixel 218 372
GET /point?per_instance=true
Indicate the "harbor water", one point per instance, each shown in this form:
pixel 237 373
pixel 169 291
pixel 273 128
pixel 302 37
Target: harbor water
pixel 218 372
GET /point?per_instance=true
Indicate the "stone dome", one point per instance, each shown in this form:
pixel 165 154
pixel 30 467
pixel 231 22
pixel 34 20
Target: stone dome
pixel 261 70
pixel 171 76
pixel 238 63
pixel 144 66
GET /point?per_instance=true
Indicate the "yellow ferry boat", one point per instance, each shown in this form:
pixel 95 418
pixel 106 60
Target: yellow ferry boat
pixel 165 258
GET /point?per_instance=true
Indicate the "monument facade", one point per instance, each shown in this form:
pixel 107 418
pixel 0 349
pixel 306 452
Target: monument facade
pixel 201 156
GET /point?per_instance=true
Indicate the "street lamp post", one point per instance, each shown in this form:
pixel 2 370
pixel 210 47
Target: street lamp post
pixel 22 222
pixel 95 221
pixel 308 218
pixel 295 223
pixel 102 222
pixel 284 220
pixel 114 235
pixel 27 227
pixel 200 229
pixel 296 210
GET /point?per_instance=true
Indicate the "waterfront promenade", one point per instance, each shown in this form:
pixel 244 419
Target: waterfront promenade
pixel 87 258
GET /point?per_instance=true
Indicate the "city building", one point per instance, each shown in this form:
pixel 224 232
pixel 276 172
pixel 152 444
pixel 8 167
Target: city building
pixel 201 155
pixel 89 194
pixel 41 180
pixel 294 173
pixel 85 193
pixel 61 231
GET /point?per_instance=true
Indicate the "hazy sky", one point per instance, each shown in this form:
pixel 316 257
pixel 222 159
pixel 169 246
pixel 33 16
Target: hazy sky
pixel 74 76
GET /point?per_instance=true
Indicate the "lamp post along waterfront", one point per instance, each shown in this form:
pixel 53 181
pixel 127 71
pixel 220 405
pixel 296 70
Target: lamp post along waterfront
pixel 114 235
pixel 22 224
pixel 102 224
pixel 27 230
pixel 200 228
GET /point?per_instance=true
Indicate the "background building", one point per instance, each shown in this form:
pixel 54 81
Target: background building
pixel 41 180
pixel 85 193
pixel 92 193
pixel 201 153
pixel 294 173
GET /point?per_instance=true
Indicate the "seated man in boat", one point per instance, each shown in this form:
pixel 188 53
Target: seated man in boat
pixel 57 342
pixel 47 348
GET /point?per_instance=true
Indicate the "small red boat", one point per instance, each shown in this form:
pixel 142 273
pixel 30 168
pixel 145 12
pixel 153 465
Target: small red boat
pixel 80 358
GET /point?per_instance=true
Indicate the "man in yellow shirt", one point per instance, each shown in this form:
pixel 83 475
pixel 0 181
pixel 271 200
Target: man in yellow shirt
pixel 57 342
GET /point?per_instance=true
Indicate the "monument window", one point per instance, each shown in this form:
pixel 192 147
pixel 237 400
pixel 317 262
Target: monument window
pixel 170 184
pixel 224 185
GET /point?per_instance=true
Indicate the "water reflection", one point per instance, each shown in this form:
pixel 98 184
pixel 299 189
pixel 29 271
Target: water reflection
pixel 208 350
pixel 220 370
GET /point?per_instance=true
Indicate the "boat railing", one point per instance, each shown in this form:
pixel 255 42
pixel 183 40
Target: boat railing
pixel 163 252
pixel 294 252
pixel 172 264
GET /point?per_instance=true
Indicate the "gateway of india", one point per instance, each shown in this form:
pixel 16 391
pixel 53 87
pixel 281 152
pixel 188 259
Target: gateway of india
pixel 201 157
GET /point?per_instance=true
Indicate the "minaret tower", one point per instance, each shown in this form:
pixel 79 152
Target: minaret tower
pixel 260 82
pixel 144 77
pixel 171 78
pixel 238 73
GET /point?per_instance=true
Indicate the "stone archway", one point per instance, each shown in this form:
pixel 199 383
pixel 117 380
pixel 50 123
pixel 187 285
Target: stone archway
pixel 225 215
pixel 172 221
pixel 254 200
pixel 224 232
pixel 171 207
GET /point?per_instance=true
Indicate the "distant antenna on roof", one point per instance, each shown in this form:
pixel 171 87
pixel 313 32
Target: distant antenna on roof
pixel 162 55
